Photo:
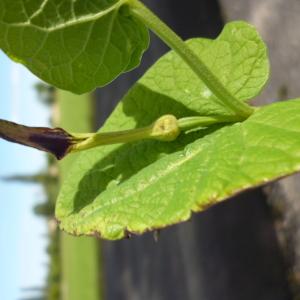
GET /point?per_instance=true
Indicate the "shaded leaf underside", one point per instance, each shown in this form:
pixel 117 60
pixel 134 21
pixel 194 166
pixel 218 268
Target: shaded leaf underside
pixel 146 185
pixel 234 158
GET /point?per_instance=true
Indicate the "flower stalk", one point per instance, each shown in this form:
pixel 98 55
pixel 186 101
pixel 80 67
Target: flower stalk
pixel 60 143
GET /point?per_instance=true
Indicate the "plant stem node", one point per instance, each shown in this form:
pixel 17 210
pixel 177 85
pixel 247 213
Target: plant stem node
pixel 165 128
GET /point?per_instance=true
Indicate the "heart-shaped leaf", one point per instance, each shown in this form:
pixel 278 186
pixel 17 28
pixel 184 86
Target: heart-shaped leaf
pixel 146 185
pixel 74 45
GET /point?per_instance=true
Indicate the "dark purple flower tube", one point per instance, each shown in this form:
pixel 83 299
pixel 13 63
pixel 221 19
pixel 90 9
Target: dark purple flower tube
pixel 56 141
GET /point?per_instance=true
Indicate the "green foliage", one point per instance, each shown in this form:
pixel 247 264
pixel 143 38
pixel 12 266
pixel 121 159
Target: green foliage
pixel 74 45
pixel 238 57
pixel 45 93
pixel 45 209
pixel 147 185
pixel 222 163
pixel 89 200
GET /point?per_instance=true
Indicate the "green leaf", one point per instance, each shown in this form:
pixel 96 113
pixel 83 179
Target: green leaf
pixel 238 57
pixel 264 147
pixel 74 45
pixel 123 187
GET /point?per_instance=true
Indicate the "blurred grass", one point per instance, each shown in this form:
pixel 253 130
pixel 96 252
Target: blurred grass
pixel 81 272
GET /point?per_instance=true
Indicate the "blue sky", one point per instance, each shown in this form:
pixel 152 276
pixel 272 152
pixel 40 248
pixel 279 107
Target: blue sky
pixel 23 259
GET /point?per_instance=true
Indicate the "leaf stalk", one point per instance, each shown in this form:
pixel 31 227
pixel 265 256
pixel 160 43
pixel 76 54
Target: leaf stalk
pixel 163 129
pixel 60 143
pixel 155 24
pixel 166 128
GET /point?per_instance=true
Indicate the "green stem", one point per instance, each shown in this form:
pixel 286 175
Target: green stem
pixel 109 138
pixel 189 123
pixel 147 17
pixel 59 142
pixel 166 128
